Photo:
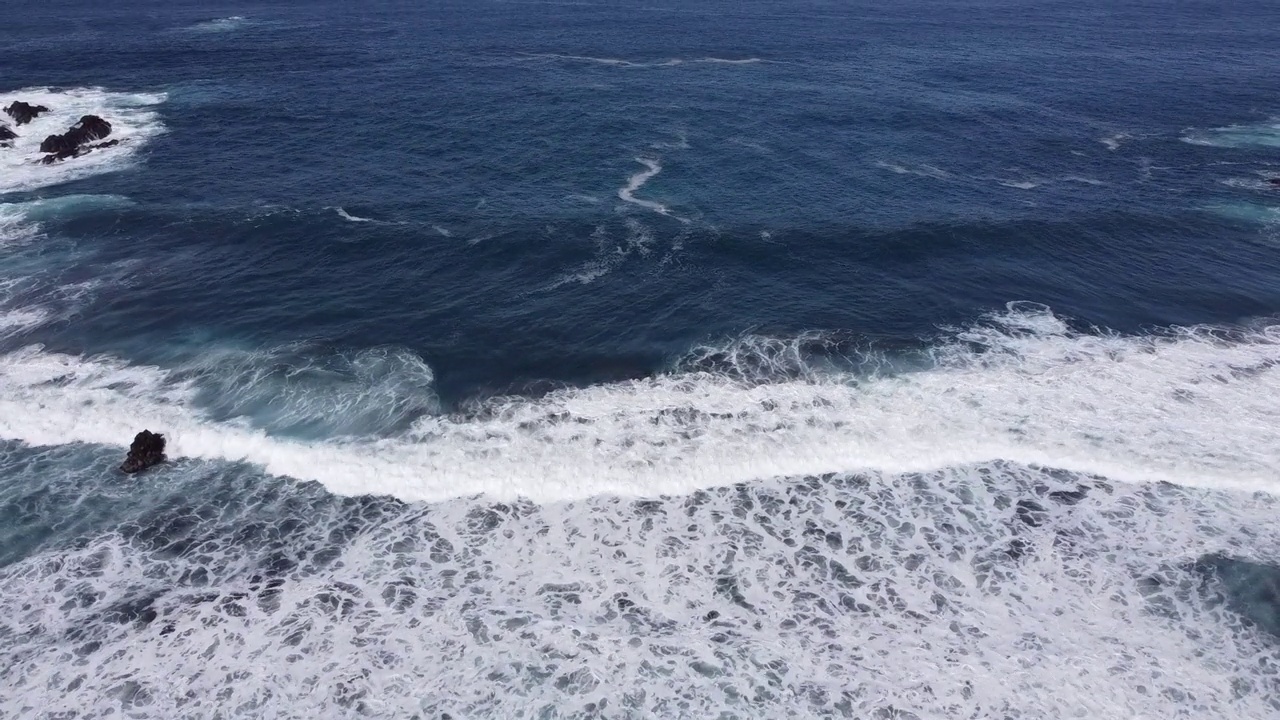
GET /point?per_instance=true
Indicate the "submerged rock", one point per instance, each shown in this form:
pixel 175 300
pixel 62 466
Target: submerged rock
pixel 23 113
pixel 73 142
pixel 146 451
pixel 6 134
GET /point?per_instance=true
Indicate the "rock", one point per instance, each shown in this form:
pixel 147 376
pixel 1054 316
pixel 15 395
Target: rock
pixel 22 113
pixel 51 159
pixel 71 143
pixel 147 450
pixel 6 133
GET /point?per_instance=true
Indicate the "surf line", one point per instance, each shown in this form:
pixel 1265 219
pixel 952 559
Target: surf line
pixel 627 194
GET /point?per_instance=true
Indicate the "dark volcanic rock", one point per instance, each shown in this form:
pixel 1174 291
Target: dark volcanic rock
pixel 22 113
pixel 51 159
pixel 90 128
pixel 147 450
pixel 6 133
pixel 73 143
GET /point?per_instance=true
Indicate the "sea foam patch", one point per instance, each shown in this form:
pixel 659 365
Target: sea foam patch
pixel 995 590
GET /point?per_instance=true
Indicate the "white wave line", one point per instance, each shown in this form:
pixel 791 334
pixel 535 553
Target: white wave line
pixel 353 218
pixel 627 193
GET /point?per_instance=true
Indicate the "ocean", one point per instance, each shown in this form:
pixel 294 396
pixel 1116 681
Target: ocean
pixel 756 359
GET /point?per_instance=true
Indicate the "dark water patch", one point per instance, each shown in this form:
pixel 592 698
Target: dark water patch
pixel 1249 588
pixel 289 276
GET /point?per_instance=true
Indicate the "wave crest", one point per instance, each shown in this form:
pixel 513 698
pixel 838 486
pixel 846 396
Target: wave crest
pixel 1020 386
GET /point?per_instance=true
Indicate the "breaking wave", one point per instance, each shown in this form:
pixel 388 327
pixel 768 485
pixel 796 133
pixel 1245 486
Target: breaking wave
pixel 1019 387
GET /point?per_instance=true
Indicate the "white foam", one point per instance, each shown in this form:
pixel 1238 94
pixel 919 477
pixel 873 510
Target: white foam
pixel 1193 407
pixel 1113 142
pixel 921 170
pixel 1020 184
pixel 730 61
pixel 586 58
pixel 30 295
pixel 352 218
pixel 637 181
pixel 15 227
pixel 219 25
pixel 133 123
pixel 1237 136
pixel 609 253
pixel 14 322
pixel 885 597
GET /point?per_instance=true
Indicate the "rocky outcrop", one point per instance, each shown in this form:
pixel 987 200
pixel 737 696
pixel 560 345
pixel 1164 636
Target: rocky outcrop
pixel 23 113
pixel 51 159
pixel 75 142
pixel 146 451
pixel 90 128
pixel 6 135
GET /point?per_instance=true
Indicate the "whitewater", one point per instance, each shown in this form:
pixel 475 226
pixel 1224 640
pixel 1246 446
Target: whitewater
pixel 1019 387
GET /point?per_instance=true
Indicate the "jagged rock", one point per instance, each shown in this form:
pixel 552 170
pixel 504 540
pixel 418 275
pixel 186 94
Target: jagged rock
pixel 51 159
pixel 147 450
pixel 6 133
pixel 90 128
pixel 72 143
pixel 22 113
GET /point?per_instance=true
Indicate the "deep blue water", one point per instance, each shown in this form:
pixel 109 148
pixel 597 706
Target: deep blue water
pixel 602 359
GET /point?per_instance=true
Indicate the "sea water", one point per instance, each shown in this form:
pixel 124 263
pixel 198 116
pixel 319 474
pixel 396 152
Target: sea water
pixel 606 360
